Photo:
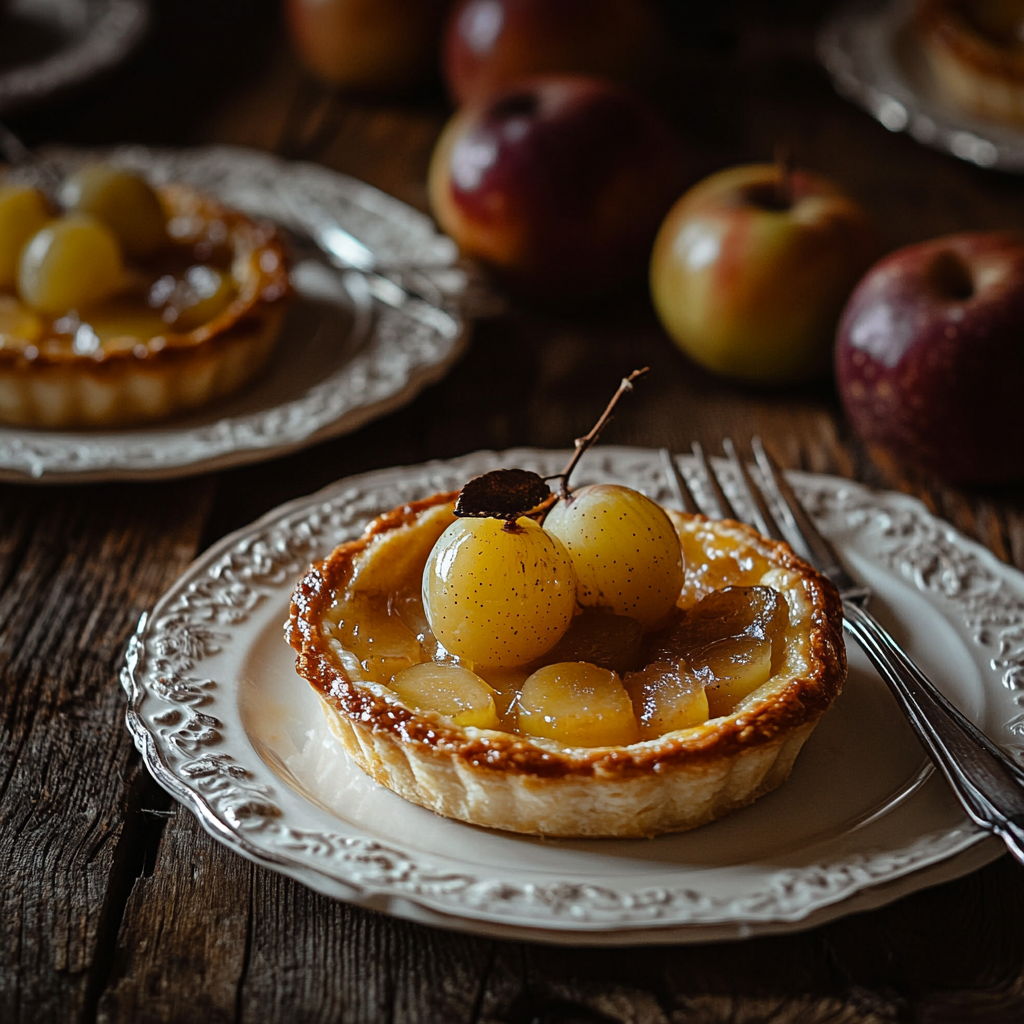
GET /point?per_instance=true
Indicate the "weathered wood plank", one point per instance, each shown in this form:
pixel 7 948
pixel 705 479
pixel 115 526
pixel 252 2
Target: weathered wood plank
pixel 80 567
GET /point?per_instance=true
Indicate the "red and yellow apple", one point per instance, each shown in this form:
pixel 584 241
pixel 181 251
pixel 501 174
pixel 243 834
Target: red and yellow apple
pixel 376 45
pixel 751 269
pixel 559 183
pixel 488 44
pixel 930 356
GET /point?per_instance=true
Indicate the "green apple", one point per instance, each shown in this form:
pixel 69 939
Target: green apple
pixel 751 269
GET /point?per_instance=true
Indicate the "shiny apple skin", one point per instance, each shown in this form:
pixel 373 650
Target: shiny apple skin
pixel 753 290
pixel 559 183
pixel 930 356
pixel 488 44
pixel 385 46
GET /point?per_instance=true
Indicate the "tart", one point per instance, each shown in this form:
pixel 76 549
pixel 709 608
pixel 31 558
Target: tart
pixel 119 361
pixel 975 49
pixel 358 629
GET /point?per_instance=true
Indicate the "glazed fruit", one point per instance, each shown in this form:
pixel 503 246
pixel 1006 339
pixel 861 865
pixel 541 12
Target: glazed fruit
pixel 123 201
pixel 577 704
pixel 451 690
pixel 73 262
pixel 194 298
pixel 698 718
pixel 23 211
pixel 498 592
pixel 666 696
pixel 624 549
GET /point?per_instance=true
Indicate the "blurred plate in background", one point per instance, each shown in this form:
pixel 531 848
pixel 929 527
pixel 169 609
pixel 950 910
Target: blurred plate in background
pixel 874 58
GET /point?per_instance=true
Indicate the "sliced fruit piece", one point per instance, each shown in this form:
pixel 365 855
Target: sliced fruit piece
pixel 730 670
pixel 666 697
pixel 451 690
pixel 577 704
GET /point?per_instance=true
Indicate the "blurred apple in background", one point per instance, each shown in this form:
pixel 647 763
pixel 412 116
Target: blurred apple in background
pixel 930 356
pixel 490 43
pixel 377 45
pixel 559 183
pixel 751 269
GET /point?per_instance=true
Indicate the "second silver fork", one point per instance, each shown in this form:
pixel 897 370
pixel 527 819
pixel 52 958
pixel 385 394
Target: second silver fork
pixel 988 784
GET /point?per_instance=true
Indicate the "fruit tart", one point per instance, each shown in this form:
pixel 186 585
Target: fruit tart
pixel 134 304
pixel 975 49
pixel 600 666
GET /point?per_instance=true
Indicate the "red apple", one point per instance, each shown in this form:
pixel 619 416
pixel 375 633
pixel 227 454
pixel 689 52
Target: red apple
pixel 930 356
pixel 560 183
pixel 490 43
pixel 752 267
pixel 378 45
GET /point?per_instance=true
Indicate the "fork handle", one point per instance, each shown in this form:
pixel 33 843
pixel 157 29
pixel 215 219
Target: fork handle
pixel 986 782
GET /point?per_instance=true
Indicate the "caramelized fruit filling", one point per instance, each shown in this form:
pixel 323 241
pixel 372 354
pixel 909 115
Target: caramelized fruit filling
pixel 603 683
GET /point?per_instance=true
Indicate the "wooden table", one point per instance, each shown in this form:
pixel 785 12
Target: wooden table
pixel 118 907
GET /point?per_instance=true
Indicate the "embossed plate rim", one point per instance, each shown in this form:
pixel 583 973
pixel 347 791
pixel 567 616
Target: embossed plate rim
pixel 401 356
pixel 184 727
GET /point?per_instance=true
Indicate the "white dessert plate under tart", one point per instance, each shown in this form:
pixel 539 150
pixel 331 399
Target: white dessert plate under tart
pixel 50 45
pixel 874 58
pixel 344 356
pixel 227 727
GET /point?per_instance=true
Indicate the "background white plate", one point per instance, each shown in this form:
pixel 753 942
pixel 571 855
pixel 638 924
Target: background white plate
pixel 225 725
pixel 870 50
pixel 343 358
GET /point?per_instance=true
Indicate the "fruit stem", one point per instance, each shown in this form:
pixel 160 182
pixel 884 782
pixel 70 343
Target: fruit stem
pixel 583 443
pixel 784 175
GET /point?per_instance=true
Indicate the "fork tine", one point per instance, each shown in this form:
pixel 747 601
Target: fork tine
pixel 676 479
pixel 762 517
pixel 812 545
pixel 725 509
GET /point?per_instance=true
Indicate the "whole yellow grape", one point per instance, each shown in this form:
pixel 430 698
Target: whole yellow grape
pixel 625 551
pixel 23 211
pixel 72 262
pixel 498 595
pixel 124 201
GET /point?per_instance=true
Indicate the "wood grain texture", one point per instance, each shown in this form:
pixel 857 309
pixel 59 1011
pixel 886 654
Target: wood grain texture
pixel 113 911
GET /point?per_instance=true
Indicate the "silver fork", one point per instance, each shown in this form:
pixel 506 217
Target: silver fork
pixel 988 784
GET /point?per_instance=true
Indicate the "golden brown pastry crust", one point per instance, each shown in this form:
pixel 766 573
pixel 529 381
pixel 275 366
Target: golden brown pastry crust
pixel 760 740
pixel 47 383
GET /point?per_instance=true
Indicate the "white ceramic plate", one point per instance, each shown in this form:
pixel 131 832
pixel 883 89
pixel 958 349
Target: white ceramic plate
pixel 870 50
pixel 50 45
pixel 343 358
pixel 226 725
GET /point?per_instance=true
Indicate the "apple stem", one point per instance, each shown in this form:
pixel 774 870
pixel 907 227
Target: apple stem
pixel 784 175
pixel 583 443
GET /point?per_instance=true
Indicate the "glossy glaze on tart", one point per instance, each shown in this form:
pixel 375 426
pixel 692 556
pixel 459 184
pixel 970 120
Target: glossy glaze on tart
pixel 506 780
pixel 975 49
pixel 119 363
